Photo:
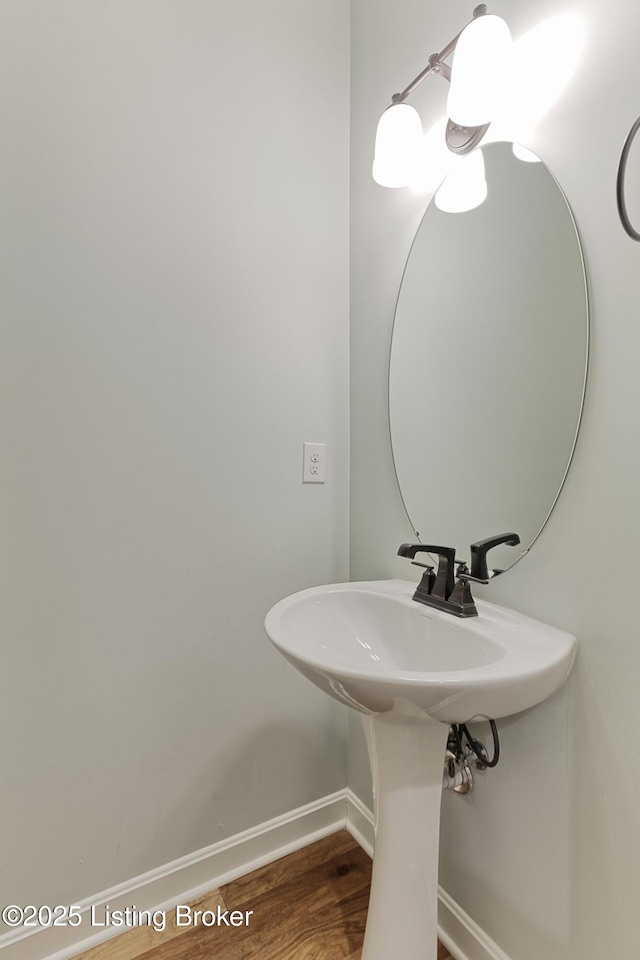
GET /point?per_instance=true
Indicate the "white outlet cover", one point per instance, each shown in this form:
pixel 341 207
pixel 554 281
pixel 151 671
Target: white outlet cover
pixel 313 462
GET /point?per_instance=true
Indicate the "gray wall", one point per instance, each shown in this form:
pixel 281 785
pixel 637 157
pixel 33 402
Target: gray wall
pixel 174 235
pixel 174 253
pixel 544 854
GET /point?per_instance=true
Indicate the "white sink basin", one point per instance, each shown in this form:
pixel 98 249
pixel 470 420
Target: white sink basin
pixel 373 647
pixel 408 666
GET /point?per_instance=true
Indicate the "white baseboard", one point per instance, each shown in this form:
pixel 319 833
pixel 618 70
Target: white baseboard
pixel 191 876
pixel 461 935
pixel 359 822
pixel 184 879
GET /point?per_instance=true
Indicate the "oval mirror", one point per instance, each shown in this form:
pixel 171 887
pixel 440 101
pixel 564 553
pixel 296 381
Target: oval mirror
pixel 488 361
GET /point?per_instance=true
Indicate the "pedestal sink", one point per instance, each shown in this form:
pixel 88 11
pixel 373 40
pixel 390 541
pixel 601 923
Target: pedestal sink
pixel 414 670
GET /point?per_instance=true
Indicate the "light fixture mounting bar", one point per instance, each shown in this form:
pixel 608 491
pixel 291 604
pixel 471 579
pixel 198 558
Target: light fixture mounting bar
pixel 436 61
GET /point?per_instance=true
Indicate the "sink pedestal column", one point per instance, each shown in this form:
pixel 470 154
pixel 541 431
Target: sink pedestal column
pixel 407 759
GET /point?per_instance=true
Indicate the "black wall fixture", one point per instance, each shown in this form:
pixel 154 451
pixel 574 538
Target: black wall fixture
pixel 622 169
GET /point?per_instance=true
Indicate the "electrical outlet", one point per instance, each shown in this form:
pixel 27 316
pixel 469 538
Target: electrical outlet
pixel 313 462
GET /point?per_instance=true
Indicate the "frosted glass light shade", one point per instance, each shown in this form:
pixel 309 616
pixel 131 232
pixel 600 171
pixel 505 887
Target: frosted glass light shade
pixel 398 142
pixel 480 71
pixel 433 160
pixel 465 188
pixel 523 153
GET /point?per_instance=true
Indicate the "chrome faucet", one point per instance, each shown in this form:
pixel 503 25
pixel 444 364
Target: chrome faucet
pixel 448 589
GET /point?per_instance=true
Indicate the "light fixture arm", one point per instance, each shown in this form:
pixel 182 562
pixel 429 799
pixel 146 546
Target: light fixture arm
pixel 436 63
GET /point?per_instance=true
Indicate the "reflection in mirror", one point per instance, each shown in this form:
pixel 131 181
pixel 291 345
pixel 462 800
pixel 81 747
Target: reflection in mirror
pixel 488 361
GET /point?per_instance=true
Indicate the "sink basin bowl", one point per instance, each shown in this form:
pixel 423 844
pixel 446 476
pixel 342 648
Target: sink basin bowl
pixel 414 670
pixel 372 647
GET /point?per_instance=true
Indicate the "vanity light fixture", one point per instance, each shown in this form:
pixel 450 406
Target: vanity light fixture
pixel 481 55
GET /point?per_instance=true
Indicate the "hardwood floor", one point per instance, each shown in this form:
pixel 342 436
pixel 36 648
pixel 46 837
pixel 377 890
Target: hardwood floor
pixel 311 905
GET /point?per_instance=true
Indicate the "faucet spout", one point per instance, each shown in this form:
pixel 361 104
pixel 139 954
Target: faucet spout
pixel 430 589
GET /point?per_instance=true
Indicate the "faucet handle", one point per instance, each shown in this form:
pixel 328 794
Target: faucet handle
pixel 462 573
pixel 467 578
pixel 480 549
